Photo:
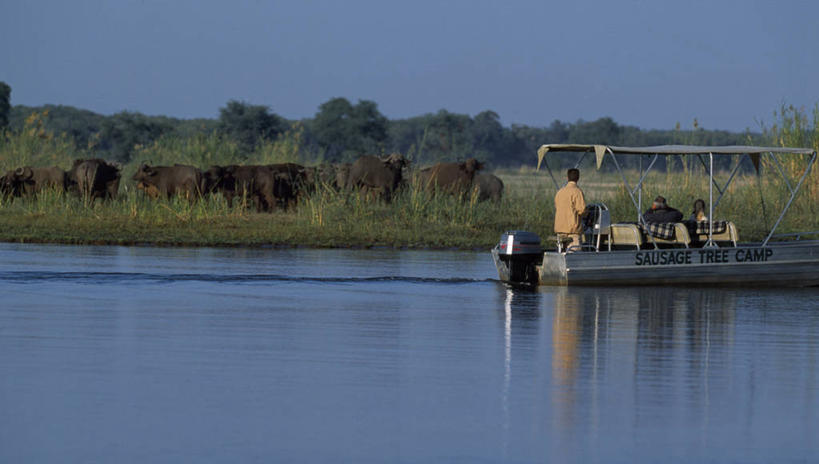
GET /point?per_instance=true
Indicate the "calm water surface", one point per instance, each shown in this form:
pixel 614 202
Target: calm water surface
pixel 111 354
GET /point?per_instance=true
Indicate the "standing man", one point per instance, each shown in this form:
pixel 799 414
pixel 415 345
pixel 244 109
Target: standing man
pixel 569 207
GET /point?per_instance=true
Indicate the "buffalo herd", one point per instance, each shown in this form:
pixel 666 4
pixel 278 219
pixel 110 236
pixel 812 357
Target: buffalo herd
pixel 268 186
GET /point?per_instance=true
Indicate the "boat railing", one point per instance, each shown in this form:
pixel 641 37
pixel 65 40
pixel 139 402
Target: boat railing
pixel 797 235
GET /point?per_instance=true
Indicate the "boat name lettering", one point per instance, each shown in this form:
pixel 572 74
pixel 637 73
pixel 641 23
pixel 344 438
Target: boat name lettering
pixel 704 256
pixel 661 258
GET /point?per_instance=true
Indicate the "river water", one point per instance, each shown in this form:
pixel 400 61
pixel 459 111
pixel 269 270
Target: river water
pixel 117 354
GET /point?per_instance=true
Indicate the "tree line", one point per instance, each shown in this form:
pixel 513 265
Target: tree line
pixel 341 131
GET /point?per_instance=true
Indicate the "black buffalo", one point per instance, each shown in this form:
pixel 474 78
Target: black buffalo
pixel 167 181
pixel 28 181
pixel 379 175
pixel 94 178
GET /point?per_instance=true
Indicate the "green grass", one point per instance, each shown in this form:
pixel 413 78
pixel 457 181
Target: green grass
pixel 331 219
pixel 326 218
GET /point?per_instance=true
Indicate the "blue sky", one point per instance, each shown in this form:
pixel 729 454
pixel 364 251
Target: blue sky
pixel 729 64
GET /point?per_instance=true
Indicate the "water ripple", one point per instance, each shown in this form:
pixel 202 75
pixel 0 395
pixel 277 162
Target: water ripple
pixel 132 277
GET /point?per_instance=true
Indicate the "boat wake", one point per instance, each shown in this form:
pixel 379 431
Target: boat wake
pixel 138 277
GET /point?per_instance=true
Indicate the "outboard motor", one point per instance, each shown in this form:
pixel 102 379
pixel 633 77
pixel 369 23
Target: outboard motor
pixel 520 251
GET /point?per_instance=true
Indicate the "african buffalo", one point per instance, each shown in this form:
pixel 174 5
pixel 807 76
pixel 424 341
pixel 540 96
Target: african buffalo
pixel 7 186
pixel 343 175
pixel 256 183
pixel 370 173
pixel 322 175
pixel 167 181
pixel 95 178
pixel 269 186
pixel 453 178
pixel 29 181
pixel 490 187
pixel 291 181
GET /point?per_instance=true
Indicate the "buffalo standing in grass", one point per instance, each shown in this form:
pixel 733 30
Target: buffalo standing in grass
pixel 452 178
pixel 94 178
pixel 291 181
pixel 167 181
pixel 380 175
pixel 266 186
pixel 28 181
pixel 343 175
pixel 489 186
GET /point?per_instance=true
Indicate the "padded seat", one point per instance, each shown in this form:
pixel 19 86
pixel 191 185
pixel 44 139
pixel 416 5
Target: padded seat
pixel 730 235
pixel 681 237
pixel 625 235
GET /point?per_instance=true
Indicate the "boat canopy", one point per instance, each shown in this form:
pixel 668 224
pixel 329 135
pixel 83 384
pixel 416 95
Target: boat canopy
pixel 692 150
pixel 754 153
pixel 674 149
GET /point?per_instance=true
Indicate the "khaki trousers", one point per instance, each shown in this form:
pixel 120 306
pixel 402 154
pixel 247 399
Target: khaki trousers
pixel 575 241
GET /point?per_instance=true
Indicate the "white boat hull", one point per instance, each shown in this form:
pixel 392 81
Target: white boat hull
pixel 787 264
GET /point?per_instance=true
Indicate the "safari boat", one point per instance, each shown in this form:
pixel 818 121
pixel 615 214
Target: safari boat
pixel 640 253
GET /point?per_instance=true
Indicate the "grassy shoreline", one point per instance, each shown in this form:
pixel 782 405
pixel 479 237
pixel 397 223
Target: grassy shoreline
pixel 414 220
pixel 248 233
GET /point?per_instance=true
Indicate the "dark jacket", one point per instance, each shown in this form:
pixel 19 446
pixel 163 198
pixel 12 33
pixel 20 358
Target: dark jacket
pixel 665 214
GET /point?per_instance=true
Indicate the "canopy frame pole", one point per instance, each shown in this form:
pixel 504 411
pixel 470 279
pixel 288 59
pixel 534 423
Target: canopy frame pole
pixel 710 243
pixel 546 162
pixel 580 160
pixel 730 179
pixel 707 169
pixel 640 217
pixel 781 172
pixel 793 196
pixel 640 186
pixel 644 175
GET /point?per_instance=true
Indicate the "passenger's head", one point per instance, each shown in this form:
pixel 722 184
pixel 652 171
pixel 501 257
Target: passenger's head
pixel 659 202
pixel 573 175
pixel 699 205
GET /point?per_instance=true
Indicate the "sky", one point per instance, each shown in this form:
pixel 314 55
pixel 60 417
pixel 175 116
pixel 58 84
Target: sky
pixel 650 64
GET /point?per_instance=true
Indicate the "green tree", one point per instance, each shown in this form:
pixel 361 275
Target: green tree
pixel 124 133
pixel 446 137
pixel 250 124
pixel 5 104
pixel 345 131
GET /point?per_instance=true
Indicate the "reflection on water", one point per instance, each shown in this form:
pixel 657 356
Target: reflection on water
pixel 666 364
pixel 111 354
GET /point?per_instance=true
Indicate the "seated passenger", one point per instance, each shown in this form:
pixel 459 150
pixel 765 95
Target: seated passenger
pixel 661 212
pixel 699 211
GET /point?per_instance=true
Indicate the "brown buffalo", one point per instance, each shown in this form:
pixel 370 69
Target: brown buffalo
pixel 95 178
pixel 259 184
pixel 452 178
pixel 28 181
pixel 489 186
pixel 167 181
pixel 323 175
pixel 343 176
pixel 380 175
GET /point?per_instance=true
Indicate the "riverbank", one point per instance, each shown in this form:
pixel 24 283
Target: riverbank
pixel 329 219
pixel 325 219
pixel 252 230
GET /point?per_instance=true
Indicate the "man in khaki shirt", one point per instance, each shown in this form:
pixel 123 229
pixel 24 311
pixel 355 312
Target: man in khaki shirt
pixel 569 207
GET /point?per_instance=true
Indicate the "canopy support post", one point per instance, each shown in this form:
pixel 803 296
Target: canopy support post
pixel 580 160
pixel 546 162
pixel 644 175
pixel 781 172
pixel 730 179
pixel 707 169
pixel 640 186
pixel 793 195
pixel 710 242
pixel 640 217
